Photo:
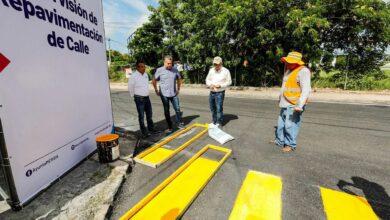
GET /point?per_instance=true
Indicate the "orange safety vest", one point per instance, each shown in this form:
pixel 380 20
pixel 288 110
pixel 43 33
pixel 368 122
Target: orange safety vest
pixel 292 90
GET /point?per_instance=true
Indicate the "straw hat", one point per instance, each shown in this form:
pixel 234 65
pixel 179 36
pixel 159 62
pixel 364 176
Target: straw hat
pixel 293 57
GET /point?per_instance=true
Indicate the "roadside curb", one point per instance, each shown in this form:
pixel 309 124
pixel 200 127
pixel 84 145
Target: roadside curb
pixel 318 95
pixel 96 202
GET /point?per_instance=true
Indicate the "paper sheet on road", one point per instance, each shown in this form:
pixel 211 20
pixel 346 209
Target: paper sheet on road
pixel 219 135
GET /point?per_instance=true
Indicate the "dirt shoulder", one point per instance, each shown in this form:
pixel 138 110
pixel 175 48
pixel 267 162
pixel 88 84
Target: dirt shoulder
pixel 317 95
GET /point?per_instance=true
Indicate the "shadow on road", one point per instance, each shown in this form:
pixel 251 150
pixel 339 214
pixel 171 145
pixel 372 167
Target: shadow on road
pixel 375 194
pixel 161 125
pixel 227 118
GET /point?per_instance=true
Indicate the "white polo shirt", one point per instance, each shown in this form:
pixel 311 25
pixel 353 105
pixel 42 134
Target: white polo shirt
pixel 139 84
pixel 221 77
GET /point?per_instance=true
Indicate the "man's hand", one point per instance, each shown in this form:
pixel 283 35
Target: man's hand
pixel 177 92
pixel 298 109
pixel 157 92
pixel 215 87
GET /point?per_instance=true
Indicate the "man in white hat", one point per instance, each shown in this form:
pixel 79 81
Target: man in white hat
pixel 292 101
pixel 218 79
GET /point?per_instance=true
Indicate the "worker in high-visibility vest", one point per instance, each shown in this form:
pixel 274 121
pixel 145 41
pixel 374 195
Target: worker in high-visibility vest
pixel 292 101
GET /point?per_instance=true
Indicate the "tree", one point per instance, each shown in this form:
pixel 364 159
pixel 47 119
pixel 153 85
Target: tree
pixel 260 32
pixel 360 28
pixel 147 42
pixel 118 62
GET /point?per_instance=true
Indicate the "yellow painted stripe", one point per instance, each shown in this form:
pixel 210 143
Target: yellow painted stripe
pixel 260 197
pixel 343 206
pixel 170 202
pixel 157 154
pixel 172 197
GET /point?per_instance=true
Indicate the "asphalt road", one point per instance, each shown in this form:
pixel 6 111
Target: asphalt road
pixel 337 143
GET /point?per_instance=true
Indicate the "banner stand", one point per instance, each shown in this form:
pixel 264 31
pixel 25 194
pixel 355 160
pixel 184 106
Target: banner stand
pixel 59 130
pixel 13 199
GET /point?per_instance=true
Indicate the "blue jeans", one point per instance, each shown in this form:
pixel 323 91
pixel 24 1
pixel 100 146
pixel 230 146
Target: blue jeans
pixel 176 106
pixel 216 106
pixel 144 106
pixel 289 122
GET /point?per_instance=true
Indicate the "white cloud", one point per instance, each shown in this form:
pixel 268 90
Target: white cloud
pixel 137 5
pixel 122 18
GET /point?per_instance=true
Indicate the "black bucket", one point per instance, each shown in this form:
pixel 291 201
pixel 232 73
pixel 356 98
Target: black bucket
pixel 108 147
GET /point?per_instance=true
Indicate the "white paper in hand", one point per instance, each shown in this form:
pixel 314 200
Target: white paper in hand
pixel 219 135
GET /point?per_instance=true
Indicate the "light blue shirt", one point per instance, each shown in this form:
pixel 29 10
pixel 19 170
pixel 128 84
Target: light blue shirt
pixel 167 79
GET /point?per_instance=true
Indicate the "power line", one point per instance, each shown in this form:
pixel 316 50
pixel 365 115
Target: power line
pixel 118 43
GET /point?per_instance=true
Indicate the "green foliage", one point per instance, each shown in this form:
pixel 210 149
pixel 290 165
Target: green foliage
pixel 147 42
pixel 119 61
pixel 117 76
pixel 360 29
pixel 261 32
pixel 374 80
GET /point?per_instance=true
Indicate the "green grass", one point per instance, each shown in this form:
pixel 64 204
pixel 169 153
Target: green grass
pixel 376 80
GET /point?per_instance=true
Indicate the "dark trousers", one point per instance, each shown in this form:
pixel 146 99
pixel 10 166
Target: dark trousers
pixel 144 106
pixel 216 106
pixel 176 106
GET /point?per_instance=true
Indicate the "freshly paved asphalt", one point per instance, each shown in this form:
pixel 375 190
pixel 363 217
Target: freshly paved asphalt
pixel 337 144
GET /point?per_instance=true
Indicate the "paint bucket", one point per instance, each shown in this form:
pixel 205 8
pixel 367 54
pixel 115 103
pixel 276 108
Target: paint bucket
pixel 108 147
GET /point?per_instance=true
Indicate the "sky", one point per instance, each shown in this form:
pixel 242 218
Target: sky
pixel 122 18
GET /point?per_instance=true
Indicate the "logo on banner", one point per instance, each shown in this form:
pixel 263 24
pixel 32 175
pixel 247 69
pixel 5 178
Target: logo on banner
pixel 4 62
pixel 74 146
pixel 36 169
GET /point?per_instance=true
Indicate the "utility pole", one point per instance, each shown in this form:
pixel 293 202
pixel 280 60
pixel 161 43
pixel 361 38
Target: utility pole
pixel 346 72
pixel 128 42
pixel 109 51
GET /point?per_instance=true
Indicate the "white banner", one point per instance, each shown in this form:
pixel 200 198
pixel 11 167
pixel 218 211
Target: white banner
pixel 54 89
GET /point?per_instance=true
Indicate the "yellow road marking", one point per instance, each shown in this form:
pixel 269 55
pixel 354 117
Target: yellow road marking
pixel 172 197
pixel 157 154
pixel 260 197
pixel 343 206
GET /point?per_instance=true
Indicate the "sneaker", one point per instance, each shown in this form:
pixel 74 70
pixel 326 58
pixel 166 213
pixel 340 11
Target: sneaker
pixel 169 130
pixel 217 125
pixel 181 125
pixel 145 135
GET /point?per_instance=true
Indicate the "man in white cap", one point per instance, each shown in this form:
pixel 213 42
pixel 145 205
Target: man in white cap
pixel 218 80
pixel 292 101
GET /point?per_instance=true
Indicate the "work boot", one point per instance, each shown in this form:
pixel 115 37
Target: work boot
pixel 288 149
pixel 275 143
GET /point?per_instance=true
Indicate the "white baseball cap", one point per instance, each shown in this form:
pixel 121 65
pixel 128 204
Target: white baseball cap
pixel 217 60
